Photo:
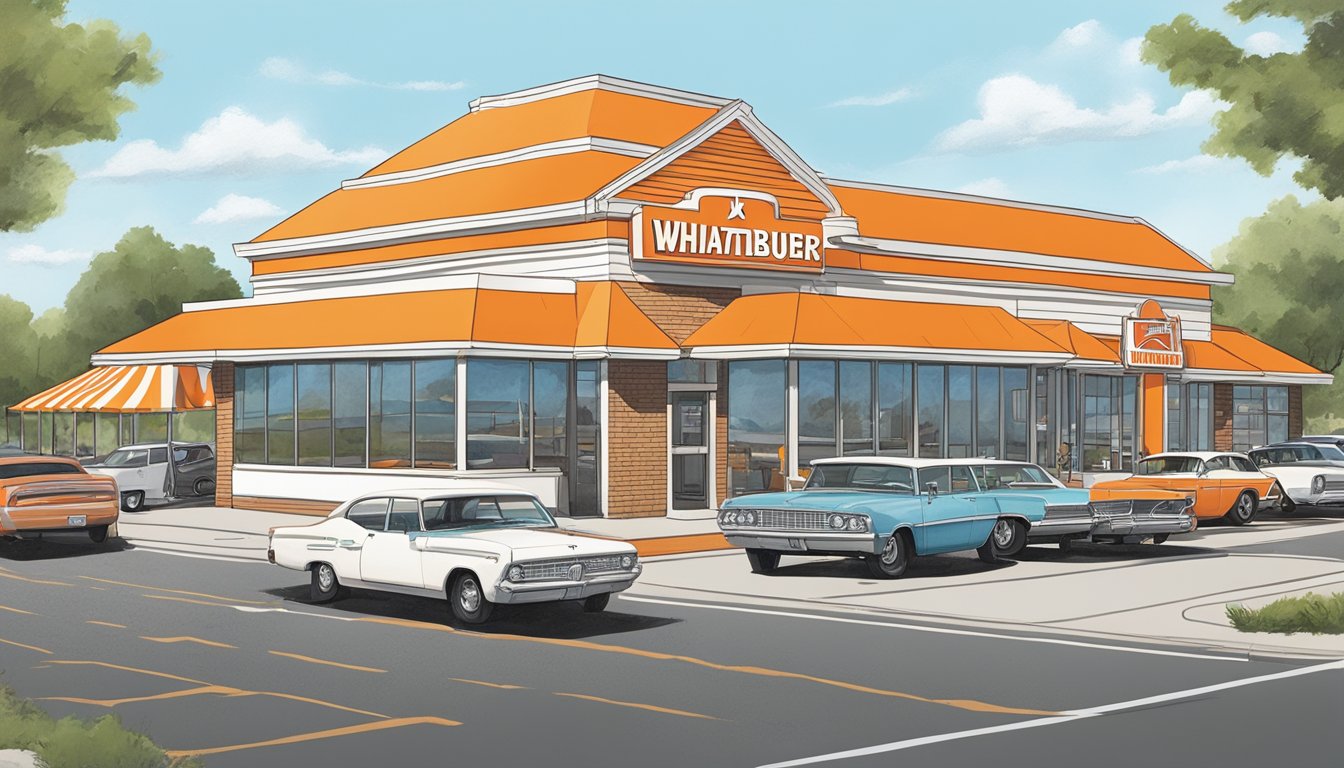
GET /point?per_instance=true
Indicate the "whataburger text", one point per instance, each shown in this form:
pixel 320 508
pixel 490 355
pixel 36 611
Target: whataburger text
pixel 691 239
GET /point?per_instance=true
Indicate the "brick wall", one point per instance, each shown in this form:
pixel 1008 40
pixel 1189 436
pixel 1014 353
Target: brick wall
pixel 1295 415
pixel 221 376
pixel 721 434
pixel 1222 417
pixel 637 446
pixel 679 309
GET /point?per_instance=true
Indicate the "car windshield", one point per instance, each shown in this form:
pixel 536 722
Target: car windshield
pixel 35 468
pixel 1015 476
pixel 127 458
pixel 861 477
pixel 1330 452
pixel 1287 454
pixel 1169 465
pixel 485 512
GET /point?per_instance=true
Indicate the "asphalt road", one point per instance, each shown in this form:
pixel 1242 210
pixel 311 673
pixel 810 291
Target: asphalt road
pixel 229 662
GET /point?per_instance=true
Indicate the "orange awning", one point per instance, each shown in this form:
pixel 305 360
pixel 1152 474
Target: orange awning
pixel 805 324
pixel 1086 348
pixel 596 319
pixel 129 389
pixel 1233 354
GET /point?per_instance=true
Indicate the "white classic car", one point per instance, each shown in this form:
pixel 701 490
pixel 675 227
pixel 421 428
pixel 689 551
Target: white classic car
pixel 1310 474
pixel 142 472
pixel 478 546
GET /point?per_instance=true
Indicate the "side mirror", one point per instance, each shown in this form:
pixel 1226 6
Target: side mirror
pixel 931 488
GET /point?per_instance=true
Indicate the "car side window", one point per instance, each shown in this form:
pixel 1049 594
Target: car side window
pixel 158 455
pixel 1216 463
pixel 937 475
pixel 369 513
pixel 404 517
pixel 962 480
pixel 1242 465
pixel 983 476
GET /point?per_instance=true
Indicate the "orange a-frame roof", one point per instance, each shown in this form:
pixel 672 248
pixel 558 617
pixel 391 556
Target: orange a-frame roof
pixel 794 322
pixel 1254 353
pixel 1082 344
pixel 128 389
pixel 597 317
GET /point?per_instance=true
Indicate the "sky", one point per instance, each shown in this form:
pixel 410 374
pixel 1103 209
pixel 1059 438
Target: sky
pixel 266 106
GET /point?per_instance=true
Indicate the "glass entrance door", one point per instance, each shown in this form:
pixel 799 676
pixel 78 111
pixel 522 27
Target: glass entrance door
pixel 690 450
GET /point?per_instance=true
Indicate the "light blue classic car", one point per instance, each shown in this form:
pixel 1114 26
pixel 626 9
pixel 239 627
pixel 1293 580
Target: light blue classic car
pixel 887 509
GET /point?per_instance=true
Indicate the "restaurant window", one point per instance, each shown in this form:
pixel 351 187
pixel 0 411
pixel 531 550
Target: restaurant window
pixel 31 429
pixel 1046 417
pixel 895 408
pixel 931 410
pixel 313 415
pixel 127 429
pixel 1189 415
pixel 856 408
pixel 194 426
pixel 13 428
pixel 435 413
pixel 498 404
pixel 585 498
pixel 686 371
pixel 280 414
pixel 390 414
pixel 107 433
pixel 349 413
pixel 151 427
pixel 550 422
pixel 44 439
pixel 63 441
pixel 757 409
pixel 987 407
pixel 250 414
pixel 84 434
pixel 1109 423
pixel 816 411
pixel 1259 416
pixel 960 411
pixel 1016 416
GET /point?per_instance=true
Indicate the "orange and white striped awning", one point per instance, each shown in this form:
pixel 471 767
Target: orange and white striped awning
pixel 129 389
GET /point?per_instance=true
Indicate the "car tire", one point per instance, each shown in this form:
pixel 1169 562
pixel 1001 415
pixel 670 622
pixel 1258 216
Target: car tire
pixel 1243 510
pixel 1008 537
pixel 1160 538
pixel 203 486
pixel 1287 506
pixel 894 558
pixel 1066 545
pixel 596 603
pixel 132 501
pixel 466 596
pixel 98 534
pixel 323 586
pixel 762 560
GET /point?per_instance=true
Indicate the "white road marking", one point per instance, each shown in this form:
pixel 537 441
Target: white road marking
pixel 936 630
pixel 1064 717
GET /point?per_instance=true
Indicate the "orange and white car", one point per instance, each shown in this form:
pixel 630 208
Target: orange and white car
pixel 44 494
pixel 1221 484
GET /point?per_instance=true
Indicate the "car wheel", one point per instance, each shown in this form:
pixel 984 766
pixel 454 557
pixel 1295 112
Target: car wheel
pixel 1288 505
pixel 596 603
pixel 324 586
pixel 1159 538
pixel 1009 537
pixel 1243 511
pixel 762 560
pixel 894 558
pixel 467 599
pixel 1066 545
pixel 98 534
pixel 132 501
pixel 203 486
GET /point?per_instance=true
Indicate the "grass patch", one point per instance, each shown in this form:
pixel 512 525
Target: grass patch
pixel 1317 614
pixel 75 743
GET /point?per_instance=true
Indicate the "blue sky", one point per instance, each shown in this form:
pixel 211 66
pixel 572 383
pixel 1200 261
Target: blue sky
pixel 266 106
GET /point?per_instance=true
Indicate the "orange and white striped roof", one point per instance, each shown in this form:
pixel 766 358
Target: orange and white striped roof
pixel 129 389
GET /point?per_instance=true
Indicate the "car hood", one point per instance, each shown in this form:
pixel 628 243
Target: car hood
pixel 532 543
pixel 839 500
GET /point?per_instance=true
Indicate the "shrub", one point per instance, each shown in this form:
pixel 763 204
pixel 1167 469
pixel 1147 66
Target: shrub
pixel 1317 614
pixel 75 743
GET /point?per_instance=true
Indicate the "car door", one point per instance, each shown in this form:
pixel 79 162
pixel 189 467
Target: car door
pixel 1248 476
pixel 362 519
pixel 156 475
pixel 946 513
pixel 388 557
pixel 1222 483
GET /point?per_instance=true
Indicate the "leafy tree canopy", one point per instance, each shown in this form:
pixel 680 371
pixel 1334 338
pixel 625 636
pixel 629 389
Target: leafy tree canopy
pixel 59 85
pixel 1284 104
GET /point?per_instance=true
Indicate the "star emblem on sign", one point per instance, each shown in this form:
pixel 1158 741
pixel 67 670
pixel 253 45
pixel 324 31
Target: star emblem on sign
pixel 735 210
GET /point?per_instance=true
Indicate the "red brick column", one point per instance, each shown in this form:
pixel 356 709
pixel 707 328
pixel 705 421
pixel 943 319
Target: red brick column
pixel 221 376
pixel 637 438
pixel 721 433
pixel 1296 418
pixel 1222 417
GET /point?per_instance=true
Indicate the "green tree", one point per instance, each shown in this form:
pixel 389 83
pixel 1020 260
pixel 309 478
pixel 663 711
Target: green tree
pixel 59 85
pixel 18 343
pixel 1284 104
pixel 1289 264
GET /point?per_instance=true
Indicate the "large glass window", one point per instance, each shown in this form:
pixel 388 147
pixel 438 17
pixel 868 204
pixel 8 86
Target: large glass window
pixel 44 439
pixel 128 427
pixel 756 425
pixel 390 414
pixel 816 411
pixel 931 409
pixel 987 406
pixel 84 434
pixel 1189 416
pixel 856 408
pixel 585 497
pixel 498 404
pixel 550 422
pixel 64 440
pixel 13 427
pixel 435 413
pixel 895 408
pixel 1259 416
pixel 194 426
pixel 1109 423
pixel 280 414
pixel 107 433
pixel 960 413
pixel 314 414
pixel 249 414
pixel 151 427
pixel 31 428
pixel 1016 415
pixel 349 413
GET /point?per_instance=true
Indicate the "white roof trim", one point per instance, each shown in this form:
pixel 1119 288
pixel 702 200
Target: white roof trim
pixel 797 351
pixel 534 152
pixel 370 351
pixel 596 82
pixel 1254 377
pixel 478 280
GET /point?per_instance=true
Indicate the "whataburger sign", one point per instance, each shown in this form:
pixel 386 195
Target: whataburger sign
pixel 728 231
pixel 1152 339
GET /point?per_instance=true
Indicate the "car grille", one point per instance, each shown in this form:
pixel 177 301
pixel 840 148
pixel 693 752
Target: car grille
pixel 790 519
pixel 545 570
pixel 1113 507
pixel 1334 485
pixel 1066 511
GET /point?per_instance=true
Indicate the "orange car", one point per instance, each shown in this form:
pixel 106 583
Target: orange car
pixel 40 494
pixel 1222 484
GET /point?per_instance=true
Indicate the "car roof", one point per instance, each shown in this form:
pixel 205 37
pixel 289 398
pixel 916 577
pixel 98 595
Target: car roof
pixel 1286 444
pixel 147 446
pixel 477 488
pixel 1202 455
pixel 906 461
pixel 1321 438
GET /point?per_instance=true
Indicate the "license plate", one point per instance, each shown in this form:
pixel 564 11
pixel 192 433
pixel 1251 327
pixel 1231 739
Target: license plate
pixel 76 520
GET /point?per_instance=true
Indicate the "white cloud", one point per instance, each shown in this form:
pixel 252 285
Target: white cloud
pixel 882 100
pixel 990 187
pixel 234 142
pixel 1194 164
pixel 1017 111
pixel 36 254
pixel 1078 36
pixel 233 207
pixel 1266 44
pixel 1130 50
pixel 279 68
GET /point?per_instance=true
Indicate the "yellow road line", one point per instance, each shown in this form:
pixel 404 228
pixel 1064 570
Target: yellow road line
pixel 649 707
pixel 106 624
pixel 311 660
pixel 23 645
pixel 16 610
pixel 175 591
pixel 381 725
pixel 11 575
pixel 502 686
pixel 136 670
pixel 185 639
pixel 185 600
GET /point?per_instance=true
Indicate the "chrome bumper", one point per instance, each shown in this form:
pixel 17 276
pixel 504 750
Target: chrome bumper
pixel 1063 527
pixel 803 541
pixel 1142 526
pixel 1269 502
pixel 513 593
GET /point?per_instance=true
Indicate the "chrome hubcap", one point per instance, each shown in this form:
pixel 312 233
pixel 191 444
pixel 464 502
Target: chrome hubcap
pixel 890 552
pixel 1245 505
pixel 469 596
pixel 325 578
pixel 1003 533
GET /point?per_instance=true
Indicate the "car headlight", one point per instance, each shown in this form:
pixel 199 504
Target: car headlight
pixel 856 524
pixel 749 517
pixel 515 573
pixel 1318 484
pixel 729 518
pixel 837 522
pixel 627 562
